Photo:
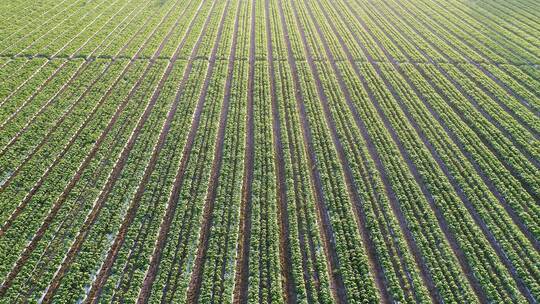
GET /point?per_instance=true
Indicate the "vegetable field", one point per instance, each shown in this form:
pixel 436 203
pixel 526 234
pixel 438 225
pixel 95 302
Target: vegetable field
pixel 269 151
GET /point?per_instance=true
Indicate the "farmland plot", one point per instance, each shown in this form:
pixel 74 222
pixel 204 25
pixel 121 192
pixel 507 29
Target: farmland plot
pixel 269 151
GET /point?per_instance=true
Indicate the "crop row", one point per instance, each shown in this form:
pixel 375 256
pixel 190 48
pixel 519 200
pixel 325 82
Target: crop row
pixel 488 139
pixel 284 151
pixel 112 121
pixel 126 176
pixel 498 226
